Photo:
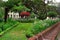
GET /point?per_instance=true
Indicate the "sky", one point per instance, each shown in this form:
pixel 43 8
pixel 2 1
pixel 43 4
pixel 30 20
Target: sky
pixel 57 0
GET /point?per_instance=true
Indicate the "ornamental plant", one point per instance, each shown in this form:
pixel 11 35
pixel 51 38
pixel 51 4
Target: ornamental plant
pixel 22 14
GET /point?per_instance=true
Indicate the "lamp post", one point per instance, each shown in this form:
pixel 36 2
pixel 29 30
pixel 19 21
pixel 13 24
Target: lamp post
pixel 6 11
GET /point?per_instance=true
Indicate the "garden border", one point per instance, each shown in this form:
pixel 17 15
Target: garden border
pixel 39 36
pixel 3 32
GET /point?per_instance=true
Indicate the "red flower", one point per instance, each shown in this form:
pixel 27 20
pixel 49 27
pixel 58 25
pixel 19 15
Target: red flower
pixel 24 14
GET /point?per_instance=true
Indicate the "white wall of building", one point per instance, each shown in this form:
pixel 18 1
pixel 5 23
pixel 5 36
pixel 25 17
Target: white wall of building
pixel 13 15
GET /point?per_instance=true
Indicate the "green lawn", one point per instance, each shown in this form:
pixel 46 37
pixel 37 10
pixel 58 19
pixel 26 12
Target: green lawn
pixel 17 33
pixel 27 29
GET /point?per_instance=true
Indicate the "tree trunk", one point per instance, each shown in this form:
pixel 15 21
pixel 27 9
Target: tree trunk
pixel 6 14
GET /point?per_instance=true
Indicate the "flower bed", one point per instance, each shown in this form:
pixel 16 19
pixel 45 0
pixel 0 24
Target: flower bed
pixel 39 27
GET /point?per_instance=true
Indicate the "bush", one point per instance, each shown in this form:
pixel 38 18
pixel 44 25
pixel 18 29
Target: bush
pixel 52 14
pixel 8 24
pixel 0 30
pixel 38 27
pixel 32 15
pixel 41 25
pixel 29 34
pixel 22 14
pixel 1 20
pixel 25 20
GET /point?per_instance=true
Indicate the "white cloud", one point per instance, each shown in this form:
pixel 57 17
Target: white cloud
pixel 57 0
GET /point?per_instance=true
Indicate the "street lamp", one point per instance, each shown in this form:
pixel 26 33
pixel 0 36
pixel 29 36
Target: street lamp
pixel 6 11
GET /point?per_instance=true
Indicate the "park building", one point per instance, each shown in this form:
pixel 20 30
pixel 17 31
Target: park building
pixel 16 15
pixel 13 15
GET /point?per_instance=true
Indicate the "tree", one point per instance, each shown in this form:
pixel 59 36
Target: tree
pixel 37 6
pixel 8 5
pixel 1 12
pixel 58 9
pixel 51 8
pixel 20 8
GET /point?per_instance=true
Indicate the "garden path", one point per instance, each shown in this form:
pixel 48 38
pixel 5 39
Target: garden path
pixel 58 37
pixel 17 33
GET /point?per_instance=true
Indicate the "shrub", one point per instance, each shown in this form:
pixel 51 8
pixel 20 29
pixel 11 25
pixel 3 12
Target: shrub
pixel 0 30
pixel 1 20
pixel 38 27
pixel 26 20
pixel 42 25
pixel 52 14
pixel 22 14
pixel 32 15
pixel 8 24
pixel 29 34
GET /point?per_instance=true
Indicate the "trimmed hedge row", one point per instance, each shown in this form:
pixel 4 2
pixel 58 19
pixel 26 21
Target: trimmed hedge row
pixel 25 20
pixel 8 29
pixel 8 24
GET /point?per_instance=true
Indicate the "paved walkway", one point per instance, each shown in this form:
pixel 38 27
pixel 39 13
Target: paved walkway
pixel 52 33
pixel 58 36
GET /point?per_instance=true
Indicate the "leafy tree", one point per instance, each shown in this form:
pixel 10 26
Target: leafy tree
pixel 58 9
pixel 51 8
pixel 1 12
pixel 20 8
pixel 37 6
pixel 8 5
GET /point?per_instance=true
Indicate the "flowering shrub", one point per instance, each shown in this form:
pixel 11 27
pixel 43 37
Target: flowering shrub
pixel 40 26
pixel 22 14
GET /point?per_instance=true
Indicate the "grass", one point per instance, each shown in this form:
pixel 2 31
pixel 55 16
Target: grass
pixel 17 33
pixel 23 29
